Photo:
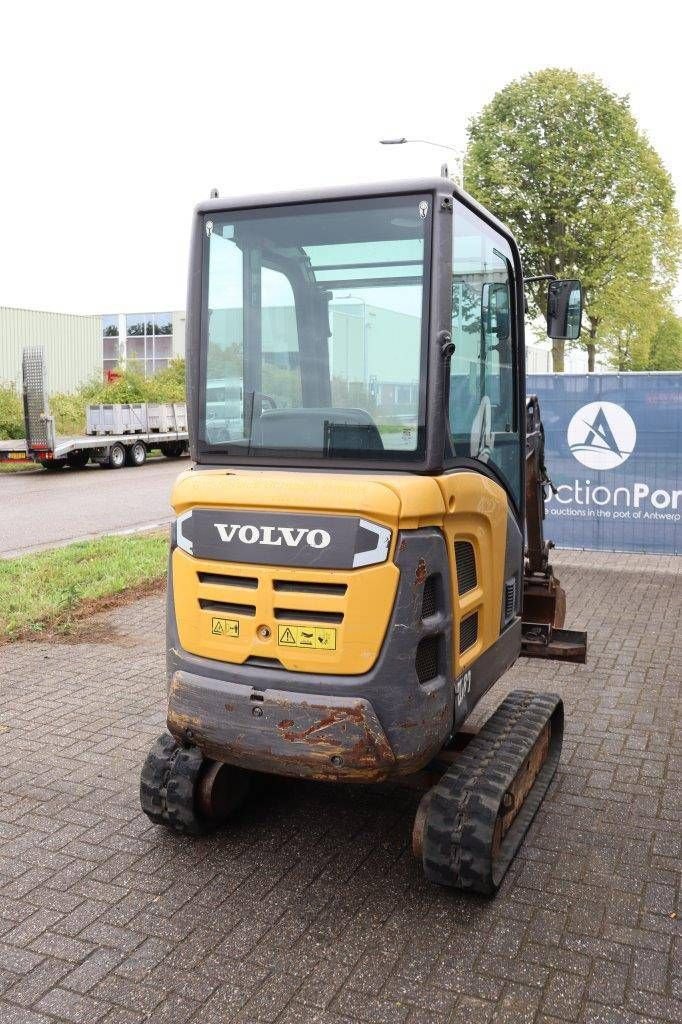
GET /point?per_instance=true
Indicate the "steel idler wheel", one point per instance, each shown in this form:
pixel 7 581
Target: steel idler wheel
pixel 184 791
pixel 222 789
pixel 470 825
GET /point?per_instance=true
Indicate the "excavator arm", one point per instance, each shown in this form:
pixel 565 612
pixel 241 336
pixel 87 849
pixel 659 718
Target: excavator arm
pixel 544 599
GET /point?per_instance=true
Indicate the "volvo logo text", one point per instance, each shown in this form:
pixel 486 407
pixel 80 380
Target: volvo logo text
pixel 275 536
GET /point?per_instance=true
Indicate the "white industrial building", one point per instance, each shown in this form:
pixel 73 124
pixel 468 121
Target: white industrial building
pixel 79 348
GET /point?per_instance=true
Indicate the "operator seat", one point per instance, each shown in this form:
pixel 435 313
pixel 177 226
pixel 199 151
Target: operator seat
pixel 322 428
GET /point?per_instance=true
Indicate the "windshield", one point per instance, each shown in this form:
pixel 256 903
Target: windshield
pixel 314 329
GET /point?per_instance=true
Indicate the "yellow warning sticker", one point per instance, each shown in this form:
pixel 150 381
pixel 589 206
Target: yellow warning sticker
pixel 317 638
pixel 225 627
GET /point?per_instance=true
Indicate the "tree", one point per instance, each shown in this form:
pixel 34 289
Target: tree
pixel 665 351
pixel 632 312
pixel 559 158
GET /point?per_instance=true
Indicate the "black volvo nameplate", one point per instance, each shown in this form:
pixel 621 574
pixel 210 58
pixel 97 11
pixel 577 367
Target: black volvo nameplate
pixel 266 538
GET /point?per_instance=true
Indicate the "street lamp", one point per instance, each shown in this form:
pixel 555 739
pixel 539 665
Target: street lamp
pixel 458 179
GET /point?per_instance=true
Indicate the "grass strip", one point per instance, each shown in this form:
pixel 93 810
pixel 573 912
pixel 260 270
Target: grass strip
pixel 18 467
pixel 49 591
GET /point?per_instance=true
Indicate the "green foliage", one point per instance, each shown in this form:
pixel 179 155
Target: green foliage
pixel 665 352
pixel 633 311
pixel 168 385
pixel 131 386
pixel 641 331
pixel 69 413
pixel 69 409
pixel 560 159
pixel 11 413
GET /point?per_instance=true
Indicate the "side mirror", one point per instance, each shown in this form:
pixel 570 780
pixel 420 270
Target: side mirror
pixel 564 310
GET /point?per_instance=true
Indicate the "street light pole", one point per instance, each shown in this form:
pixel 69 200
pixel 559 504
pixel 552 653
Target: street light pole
pixel 458 177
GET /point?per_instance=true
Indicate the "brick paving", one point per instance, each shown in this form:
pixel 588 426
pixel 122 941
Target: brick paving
pixel 309 908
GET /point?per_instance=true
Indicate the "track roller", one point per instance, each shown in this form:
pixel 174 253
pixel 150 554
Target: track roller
pixel 184 791
pixel 470 825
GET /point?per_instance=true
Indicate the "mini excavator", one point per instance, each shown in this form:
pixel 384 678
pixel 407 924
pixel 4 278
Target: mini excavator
pixel 358 550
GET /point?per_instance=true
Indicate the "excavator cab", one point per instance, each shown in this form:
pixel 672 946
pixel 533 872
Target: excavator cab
pixel 358 552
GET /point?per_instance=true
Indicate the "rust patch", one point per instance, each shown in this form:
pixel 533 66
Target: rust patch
pixel 369 750
pixel 420 572
pixel 335 717
pixel 182 722
pixel 175 683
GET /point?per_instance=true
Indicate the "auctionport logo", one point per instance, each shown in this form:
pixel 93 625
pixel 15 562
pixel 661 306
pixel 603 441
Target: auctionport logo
pixel 601 435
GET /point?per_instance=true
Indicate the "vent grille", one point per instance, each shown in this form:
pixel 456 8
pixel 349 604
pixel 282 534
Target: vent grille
pixel 295 615
pixel 430 598
pixel 468 632
pixel 509 599
pixel 426 660
pixel 227 607
pixel 221 580
pixel 466 566
pixel 296 587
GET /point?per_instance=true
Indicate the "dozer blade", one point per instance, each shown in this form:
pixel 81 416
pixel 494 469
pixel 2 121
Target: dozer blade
pixel 538 640
pixel 469 827
pixel 544 611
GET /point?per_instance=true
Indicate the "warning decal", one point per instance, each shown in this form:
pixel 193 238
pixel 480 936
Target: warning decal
pixel 225 627
pixel 317 638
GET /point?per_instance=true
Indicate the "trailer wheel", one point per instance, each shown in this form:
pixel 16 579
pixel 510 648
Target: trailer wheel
pixel 136 454
pixel 78 460
pixel 116 458
pixel 173 449
pixel 52 465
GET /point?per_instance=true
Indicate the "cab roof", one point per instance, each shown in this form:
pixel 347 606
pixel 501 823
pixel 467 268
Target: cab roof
pixel 361 190
pixel 365 190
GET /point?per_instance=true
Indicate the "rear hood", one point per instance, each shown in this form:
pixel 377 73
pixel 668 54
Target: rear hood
pixel 398 500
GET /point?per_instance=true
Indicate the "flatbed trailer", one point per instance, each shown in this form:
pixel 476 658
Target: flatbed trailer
pixel 102 449
pixel 110 450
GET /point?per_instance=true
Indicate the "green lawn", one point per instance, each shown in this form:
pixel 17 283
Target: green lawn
pixel 46 592
pixel 18 467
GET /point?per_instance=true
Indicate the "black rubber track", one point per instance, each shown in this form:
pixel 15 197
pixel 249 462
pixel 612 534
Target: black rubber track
pixel 463 806
pixel 168 782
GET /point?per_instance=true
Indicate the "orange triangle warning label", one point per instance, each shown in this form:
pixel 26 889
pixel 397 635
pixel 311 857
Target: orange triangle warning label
pixel 287 637
pixel 218 627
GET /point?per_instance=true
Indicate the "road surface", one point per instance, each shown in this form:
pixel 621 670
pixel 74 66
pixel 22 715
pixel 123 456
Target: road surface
pixel 41 510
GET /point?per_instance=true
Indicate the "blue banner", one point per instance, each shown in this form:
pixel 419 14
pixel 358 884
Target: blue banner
pixel 613 450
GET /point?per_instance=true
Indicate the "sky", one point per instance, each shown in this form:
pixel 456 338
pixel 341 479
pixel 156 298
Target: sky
pixel 118 117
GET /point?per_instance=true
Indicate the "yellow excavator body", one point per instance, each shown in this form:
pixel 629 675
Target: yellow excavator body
pixel 246 616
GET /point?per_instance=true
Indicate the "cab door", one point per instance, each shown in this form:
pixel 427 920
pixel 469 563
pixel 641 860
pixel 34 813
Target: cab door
pixel 484 418
pixel 482 480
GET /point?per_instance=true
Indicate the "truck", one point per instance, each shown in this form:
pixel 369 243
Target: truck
pixel 111 441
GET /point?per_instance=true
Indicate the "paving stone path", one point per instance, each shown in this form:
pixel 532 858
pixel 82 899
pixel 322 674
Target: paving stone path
pixel 310 908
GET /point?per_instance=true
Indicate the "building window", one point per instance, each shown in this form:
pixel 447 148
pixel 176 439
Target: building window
pixel 110 345
pixel 149 341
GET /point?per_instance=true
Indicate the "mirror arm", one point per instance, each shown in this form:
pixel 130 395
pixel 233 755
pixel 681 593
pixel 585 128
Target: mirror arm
pixel 534 280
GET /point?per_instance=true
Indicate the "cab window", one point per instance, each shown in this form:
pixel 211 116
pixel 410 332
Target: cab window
pixel 484 421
